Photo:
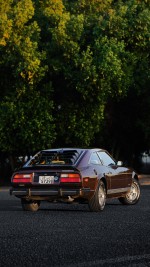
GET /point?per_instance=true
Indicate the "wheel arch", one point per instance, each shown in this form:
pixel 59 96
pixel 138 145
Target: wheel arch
pixel 104 181
pixel 135 176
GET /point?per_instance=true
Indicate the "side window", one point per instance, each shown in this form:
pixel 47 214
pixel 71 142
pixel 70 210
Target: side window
pixel 95 159
pixel 106 159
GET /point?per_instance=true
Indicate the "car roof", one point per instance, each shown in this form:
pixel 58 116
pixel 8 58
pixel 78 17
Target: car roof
pixel 73 148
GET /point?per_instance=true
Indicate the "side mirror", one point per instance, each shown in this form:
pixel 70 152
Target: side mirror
pixel 119 163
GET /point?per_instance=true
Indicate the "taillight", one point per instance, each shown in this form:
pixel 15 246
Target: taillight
pixel 22 178
pixel 70 178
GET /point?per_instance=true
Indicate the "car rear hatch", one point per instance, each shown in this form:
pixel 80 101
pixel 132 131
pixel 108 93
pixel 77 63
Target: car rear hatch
pixel 50 172
pixel 51 176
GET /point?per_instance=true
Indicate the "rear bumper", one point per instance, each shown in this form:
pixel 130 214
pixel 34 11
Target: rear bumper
pixel 20 192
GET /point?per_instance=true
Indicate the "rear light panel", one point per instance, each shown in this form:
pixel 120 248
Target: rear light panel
pixel 22 178
pixel 70 178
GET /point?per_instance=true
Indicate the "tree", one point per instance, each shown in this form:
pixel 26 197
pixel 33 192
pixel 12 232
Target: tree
pixel 21 59
pixel 87 55
pixel 92 66
pixel 24 106
pixel 27 124
pixel 129 128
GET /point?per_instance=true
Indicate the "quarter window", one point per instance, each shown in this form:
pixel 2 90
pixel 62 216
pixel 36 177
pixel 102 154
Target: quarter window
pixel 106 159
pixel 94 159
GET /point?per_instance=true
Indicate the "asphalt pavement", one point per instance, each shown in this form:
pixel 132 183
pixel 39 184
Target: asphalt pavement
pixel 72 236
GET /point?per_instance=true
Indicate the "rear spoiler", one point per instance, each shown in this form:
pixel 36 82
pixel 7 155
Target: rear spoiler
pixel 53 167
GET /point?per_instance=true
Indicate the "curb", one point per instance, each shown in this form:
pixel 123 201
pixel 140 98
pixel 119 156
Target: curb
pixel 144 179
pixel 4 189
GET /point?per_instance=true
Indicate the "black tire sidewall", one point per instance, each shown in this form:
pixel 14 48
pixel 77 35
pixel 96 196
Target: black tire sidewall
pixel 94 203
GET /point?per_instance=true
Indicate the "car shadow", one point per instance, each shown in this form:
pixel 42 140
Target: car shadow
pixel 64 207
pixel 15 205
pixel 114 204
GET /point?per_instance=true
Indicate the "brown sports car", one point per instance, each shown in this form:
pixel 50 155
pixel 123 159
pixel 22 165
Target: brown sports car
pixel 74 175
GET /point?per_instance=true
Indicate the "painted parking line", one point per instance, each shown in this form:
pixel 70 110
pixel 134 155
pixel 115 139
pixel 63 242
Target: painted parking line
pixel 125 260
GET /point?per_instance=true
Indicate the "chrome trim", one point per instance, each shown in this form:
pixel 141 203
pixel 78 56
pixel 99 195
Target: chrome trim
pixel 118 190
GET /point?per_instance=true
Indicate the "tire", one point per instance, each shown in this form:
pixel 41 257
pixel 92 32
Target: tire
pixel 30 205
pixel 133 196
pixel 97 202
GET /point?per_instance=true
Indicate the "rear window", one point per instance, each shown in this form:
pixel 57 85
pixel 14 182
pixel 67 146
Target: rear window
pixel 58 157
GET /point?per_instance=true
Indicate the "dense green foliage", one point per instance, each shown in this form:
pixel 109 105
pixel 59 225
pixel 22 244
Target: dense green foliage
pixel 74 73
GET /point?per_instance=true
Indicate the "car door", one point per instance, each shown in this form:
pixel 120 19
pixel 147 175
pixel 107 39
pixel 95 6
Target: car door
pixel 119 177
pixel 99 168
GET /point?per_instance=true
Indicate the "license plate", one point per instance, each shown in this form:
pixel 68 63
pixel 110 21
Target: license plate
pixel 46 179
